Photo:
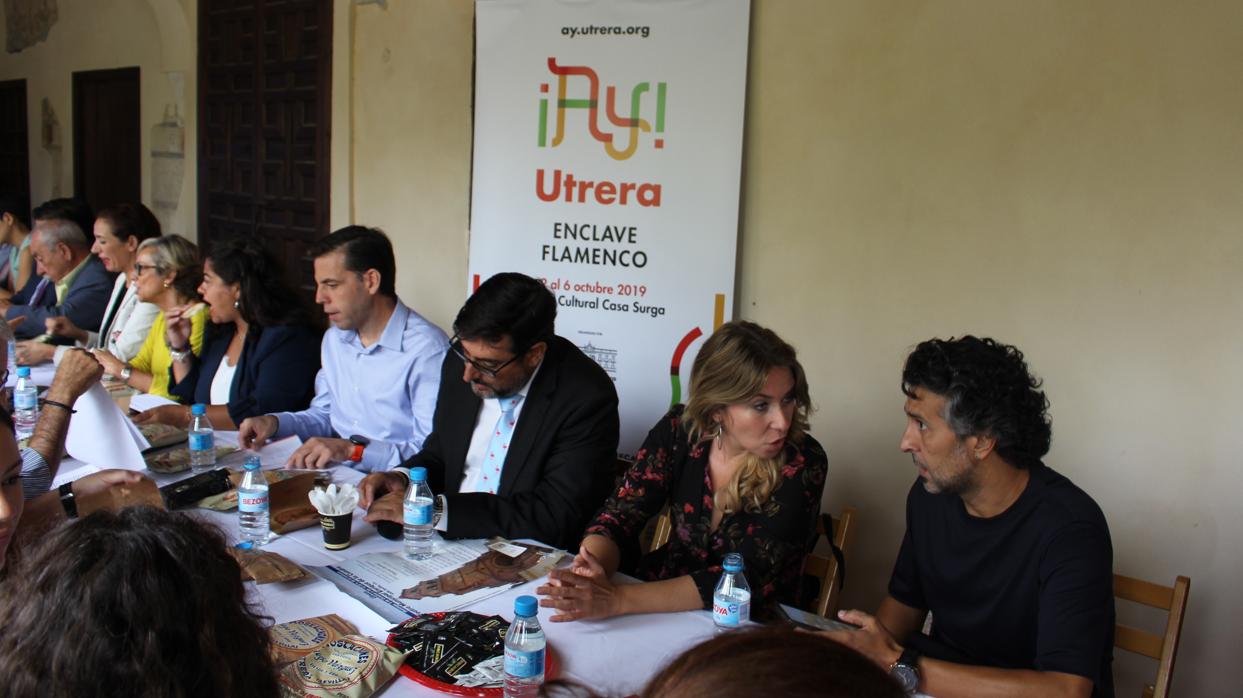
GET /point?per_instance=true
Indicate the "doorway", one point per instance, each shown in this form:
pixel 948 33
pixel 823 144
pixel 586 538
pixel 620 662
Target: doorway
pixel 107 141
pixel 264 109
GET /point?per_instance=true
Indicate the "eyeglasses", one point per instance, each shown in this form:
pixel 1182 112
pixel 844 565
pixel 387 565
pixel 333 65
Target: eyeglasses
pixel 486 369
pixel 139 268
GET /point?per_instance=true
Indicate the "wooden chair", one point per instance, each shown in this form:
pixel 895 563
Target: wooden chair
pixel 1162 648
pixel 826 568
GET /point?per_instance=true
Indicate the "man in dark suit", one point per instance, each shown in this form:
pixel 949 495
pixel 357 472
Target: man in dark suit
pixel 524 438
pixel 71 282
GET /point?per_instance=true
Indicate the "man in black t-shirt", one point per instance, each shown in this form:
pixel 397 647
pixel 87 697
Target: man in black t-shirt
pixel 1013 560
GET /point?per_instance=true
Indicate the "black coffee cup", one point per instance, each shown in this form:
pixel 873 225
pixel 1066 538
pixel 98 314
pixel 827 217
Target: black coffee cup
pixel 336 530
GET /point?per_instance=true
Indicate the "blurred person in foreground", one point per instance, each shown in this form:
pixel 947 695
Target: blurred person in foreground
pixel 261 353
pixel 1012 559
pixel 142 602
pixel 26 474
pixel 739 474
pixel 759 661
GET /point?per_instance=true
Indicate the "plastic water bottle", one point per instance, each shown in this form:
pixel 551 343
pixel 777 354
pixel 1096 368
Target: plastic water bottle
pixel 524 651
pixel 252 504
pixel 417 514
pixel 202 440
pixel 25 404
pixel 731 602
pixel 12 357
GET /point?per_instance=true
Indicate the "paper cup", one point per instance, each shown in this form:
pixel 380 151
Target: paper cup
pixel 336 530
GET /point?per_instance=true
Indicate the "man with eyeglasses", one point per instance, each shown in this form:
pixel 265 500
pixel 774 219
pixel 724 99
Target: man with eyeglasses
pixel 524 440
pixel 380 364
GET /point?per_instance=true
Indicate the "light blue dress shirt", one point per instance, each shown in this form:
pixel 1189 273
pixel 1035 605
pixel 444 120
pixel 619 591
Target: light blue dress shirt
pixel 385 392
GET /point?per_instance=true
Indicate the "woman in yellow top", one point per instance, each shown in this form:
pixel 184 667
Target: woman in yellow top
pixel 167 273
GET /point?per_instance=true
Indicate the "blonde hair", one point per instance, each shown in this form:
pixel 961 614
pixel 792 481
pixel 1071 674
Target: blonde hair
pixel 175 253
pixel 732 367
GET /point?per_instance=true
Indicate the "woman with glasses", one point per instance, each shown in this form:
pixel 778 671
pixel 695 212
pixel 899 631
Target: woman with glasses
pixel 167 273
pixel 738 473
pixel 262 349
pixel 119 230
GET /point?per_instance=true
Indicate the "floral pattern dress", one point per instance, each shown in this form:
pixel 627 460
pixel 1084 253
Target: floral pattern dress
pixel 772 541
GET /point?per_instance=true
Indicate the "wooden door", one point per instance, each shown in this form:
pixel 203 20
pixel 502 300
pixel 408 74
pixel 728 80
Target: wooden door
pixel 107 141
pixel 14 142
pixel 264 106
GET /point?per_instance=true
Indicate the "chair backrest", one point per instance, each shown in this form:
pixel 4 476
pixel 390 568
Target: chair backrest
pixel 1164 647
pixel 826 568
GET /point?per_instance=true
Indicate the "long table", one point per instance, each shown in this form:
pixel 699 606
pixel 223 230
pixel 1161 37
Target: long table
pixel 614 657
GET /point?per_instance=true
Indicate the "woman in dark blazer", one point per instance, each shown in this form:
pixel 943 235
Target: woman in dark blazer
pixel 262 352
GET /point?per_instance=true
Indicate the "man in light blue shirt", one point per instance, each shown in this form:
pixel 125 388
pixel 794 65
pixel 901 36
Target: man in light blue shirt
pixel 380 364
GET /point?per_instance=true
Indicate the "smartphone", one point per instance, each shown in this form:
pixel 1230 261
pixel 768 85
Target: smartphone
pixel 811 621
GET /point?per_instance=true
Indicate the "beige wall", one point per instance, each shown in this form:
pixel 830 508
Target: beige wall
pixel 412 142
pixel 1060 175
pixel 157 36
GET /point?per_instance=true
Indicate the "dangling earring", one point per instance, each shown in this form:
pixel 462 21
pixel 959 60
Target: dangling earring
pixel 719 430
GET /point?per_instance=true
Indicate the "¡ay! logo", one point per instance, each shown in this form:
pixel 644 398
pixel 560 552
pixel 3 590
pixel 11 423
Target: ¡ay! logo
pixel 631 124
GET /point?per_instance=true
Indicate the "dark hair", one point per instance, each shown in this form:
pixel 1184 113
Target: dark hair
pixel 131 221
pixel 75 211
pixel 142 602
pixel 364 248
pixel 510 304
pixel 18 206
pixel 773 660
pixel 266 297
pixel 988 389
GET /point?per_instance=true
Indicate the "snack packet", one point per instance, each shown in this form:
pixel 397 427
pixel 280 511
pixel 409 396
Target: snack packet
pixel 348 667
pixel 298 638
pixel 266 567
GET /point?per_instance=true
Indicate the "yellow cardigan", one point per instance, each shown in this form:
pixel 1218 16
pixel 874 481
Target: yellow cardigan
pixel 154 358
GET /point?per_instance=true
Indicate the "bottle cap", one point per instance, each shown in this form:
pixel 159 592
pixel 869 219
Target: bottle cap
pixel 418 474
pixel 23 371
pixel 252 463
pixel 733 563
pixel 526 607
pixel 200 408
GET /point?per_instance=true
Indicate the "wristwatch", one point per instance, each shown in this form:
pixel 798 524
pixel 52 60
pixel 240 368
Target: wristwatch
pixel 906 670
pixel 179 355
pixel 127 372
pixel 68 500
pixel 360 444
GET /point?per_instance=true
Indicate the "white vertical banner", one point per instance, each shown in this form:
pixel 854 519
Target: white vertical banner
pixel 607 161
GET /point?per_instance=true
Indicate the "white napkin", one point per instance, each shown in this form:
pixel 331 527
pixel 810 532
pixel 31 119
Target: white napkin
pixel 334 501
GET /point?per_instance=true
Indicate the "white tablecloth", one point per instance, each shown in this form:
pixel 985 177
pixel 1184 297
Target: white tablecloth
pixel 613 657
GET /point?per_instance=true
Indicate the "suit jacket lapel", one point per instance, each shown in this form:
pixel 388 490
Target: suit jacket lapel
pixel 461 425
pixel 539 401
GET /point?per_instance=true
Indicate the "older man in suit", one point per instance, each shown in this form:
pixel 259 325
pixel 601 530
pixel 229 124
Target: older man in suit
pixel 73 282
pixel 524 444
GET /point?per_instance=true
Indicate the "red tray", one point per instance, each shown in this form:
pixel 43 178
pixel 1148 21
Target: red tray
pixel 550 672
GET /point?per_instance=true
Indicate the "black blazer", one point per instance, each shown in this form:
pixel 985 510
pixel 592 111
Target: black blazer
pixel 275 372
pixel 561 459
